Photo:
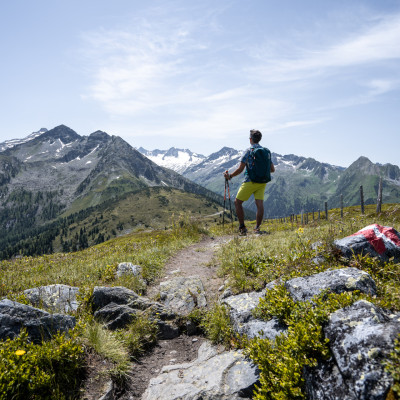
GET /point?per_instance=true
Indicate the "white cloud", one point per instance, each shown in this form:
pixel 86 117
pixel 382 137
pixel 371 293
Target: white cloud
pixel 170 77
pixel 379 43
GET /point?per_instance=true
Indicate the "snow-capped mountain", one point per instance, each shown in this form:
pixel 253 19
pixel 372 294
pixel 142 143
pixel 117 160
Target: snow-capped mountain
pixel 299 183
pixel 14 142
pixel 176 159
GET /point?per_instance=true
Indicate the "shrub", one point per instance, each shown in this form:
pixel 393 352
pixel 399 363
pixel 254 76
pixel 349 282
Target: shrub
pixel 392 365
pixel 281 361
pixel 217 325
pixel 141 334
pixel 51 370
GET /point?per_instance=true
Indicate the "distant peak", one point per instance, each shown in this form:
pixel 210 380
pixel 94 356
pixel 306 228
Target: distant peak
pixel 63 132
pixel 99 135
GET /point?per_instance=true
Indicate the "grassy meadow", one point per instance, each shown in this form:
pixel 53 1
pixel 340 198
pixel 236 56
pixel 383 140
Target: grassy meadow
pixel 247 263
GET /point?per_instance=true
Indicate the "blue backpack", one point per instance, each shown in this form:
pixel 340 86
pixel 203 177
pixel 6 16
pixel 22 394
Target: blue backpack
pixel 259 165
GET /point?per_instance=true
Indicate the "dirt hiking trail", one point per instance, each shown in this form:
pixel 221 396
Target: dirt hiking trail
pixel 194 260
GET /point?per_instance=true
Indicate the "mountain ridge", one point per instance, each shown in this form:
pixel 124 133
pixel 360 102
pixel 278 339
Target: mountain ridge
pixel 47 177
pixel 302 183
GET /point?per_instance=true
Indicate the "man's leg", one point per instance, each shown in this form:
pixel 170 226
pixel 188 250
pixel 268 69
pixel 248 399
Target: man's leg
pixel 260 212
pixel 239 211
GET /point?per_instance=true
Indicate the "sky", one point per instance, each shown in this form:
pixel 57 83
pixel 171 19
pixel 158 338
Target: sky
pixel 319 79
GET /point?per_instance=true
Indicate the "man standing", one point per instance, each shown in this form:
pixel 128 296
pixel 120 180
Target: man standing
pixel 255 187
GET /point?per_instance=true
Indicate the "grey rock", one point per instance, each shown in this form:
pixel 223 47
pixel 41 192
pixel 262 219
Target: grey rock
pixel 118 306
pixel 360 338
pixel 103 295
pixel 183 295
pixel 54 298
pixel 337 281
pixel 214 375
pixel 242 305
pixel 115 316
pixel 241 309
pixel 127 268
pixel 261 329
pixel 39 324
pixel 375 240
pixel 167 331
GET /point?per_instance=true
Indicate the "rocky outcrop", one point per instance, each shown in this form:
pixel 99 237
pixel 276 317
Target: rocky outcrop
pixel 360 338
pixel 39 324
pixel 183 295
pixel 215 374
pixel 241 312
pixel 375 240
pixel 129 269
pixel 54 298
pixel 337 281
pixel 117 307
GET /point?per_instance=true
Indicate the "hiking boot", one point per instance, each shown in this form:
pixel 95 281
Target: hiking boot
pixel 242 231
pixel 257 230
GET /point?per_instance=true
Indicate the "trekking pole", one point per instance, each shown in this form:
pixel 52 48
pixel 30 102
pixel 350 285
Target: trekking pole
pixel 230 204
pixel 223 212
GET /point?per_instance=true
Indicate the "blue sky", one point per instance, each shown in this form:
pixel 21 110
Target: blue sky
pixel 318 78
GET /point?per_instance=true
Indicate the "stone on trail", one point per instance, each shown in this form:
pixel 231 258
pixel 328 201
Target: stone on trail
pixel 39 324
pixel 118 306
pixel 374 240
pixel 182 294
pixel 215 374
pixel 336 280
pixel 115 316
pixel 244 323
pixel 360 336
pixel 54 298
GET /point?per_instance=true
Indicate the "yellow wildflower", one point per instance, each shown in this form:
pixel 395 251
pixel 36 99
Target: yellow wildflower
pixel 20 352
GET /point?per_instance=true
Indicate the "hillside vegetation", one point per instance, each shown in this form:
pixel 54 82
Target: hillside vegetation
pixel 247 263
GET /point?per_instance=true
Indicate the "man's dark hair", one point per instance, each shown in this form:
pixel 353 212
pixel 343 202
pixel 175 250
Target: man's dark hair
pixel 255 135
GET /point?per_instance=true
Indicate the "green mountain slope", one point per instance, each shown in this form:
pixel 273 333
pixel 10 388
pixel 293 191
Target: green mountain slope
pixel 60 173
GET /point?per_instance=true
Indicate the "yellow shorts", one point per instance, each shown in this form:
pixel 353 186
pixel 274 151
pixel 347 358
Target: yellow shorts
pixel 249 188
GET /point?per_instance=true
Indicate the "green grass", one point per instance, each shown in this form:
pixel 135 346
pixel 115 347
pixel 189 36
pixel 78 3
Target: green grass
pixel 94 266
pixel 249 263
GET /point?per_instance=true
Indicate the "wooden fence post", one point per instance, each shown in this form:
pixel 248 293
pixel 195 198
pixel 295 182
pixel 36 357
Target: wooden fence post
pixel 313 215
pixel 362 199
pixel 319 215
pixel 302 218
pixel 341 206
pixel 379 200
pixel 326 210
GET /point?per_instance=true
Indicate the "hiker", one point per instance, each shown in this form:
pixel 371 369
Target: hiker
pixel 258 168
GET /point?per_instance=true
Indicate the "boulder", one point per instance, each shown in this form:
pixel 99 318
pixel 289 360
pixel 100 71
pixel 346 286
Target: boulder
pixel 54 298
pixel 103 295
pixel 118 306
pixel 115 316
pixel 360 338
pixel 39 324
pixel 127 268
pixel 215 374
pixel 336 280
pixel 376 240
pixel 241 309
pixel 182 294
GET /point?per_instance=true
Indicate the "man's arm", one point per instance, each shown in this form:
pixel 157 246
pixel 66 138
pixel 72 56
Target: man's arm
pixel 237 171
pixel 272 167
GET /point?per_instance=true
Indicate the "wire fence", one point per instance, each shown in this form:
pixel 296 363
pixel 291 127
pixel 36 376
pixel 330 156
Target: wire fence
pixel 304 217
